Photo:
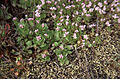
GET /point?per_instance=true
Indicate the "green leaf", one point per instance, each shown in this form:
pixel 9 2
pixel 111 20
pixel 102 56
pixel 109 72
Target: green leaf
pixel 67 62
pixel 57 36
pixel 31 23
pixel 57 51
pixel 28 43
pixel 46 46
pixel 62 62
pixel 68 47
pixel 19 39
pixel 29 51
pixel 90 45
pixel 69 52
pixel 56 44
pixel 78 19
pixel 47 58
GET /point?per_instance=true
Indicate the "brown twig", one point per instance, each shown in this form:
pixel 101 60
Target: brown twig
pixel 87 65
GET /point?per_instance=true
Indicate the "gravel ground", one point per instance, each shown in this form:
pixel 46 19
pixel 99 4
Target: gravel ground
pixel 100 62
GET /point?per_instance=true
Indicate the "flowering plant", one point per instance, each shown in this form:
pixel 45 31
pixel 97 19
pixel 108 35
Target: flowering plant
pixel 58 26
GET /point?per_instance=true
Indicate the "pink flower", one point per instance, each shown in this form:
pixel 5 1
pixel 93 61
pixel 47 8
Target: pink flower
pixel 39 6
pixel 76 24
pixel 30 32
pixel 67 17
pixel 58 28
pixel 67 22
pixel 77 13
pixel 92 25
pixel 115 16
pixel 88 15
pixel 102 19
pixel 73 15
pixel 43 55
pixel 103 12
pixel 66 33
pixel 76 31
pixel 43 24
pixel 89 4
pixel 97 8
pixel 53 8
pixel 85 37
pixel 45 34
pixel 77 0
pixel 61 47
pixel 107 23
pixel 30 19
pixel 37 11
pixel 93 42
pixel 100 11
pixel 73 23
pixel 21 26
pixel 49 2
pixel 38 21
pixel 38 38
pixel 53 44
pixel 95 0
pixel 63 4
pixel 14 18
pixel 119 20
pixel 71 46
pixel 74 36
pixel 61 20
pixel 104 8
pixel 58 6
pixel 62 16
pixel 105 2
pixel 72 5
pixel 21 20
pixel 82 27
pixel 100 4
pixel 68 7
pixel 84 10
pixel 61 56
pixel 36 30
pixel 37 14
pixel 43 2
pixel 55 3
pixel 91 9
pixel 83 5
pixel 59 24
pixel 64 30
pixel 60 12
pixel 54 16
pixel 96 34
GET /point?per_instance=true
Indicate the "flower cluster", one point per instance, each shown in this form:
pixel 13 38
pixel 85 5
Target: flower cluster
pixel 70 23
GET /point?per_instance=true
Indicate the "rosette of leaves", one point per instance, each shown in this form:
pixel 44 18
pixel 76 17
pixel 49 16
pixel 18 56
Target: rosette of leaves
pixel 65 51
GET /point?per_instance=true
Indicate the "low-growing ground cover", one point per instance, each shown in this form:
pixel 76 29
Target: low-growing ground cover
pixel 55 39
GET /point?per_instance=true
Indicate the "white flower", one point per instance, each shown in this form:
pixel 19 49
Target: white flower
pixel 74 36
pixel 107 23
pixel 97 8
pixel 100 4
pixel 115 16
pixel 91 9
pixel 85 37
